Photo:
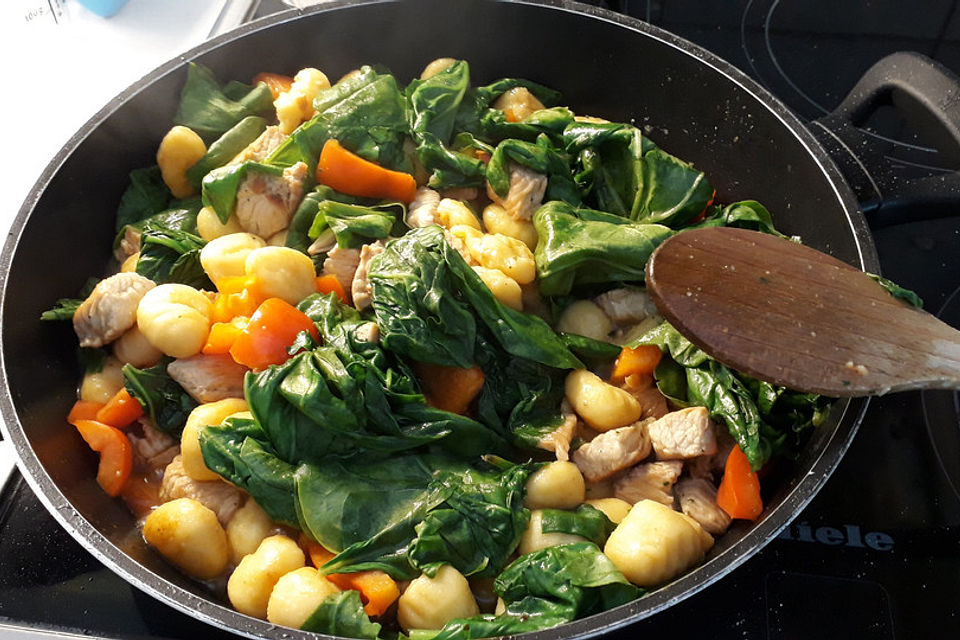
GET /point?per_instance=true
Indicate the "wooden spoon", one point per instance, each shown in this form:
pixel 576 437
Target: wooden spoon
pixel 788 314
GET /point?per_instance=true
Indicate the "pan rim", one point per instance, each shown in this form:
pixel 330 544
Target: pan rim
pixel 821 466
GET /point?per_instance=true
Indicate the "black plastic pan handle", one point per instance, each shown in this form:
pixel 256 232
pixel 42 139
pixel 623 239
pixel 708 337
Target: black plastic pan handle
pixel 927 94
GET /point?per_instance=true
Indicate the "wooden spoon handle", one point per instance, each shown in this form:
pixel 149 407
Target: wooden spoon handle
pixel 783 312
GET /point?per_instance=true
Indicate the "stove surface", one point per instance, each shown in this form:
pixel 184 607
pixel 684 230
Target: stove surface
pixel 876 555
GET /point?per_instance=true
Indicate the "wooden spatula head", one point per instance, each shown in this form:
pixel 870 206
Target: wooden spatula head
pixel 788 314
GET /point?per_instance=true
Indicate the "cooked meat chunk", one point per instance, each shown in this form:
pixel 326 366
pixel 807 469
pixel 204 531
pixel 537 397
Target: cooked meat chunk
pixel 526 192
pixel 460 193
pixel 262 147
pixel 218 496
pixel 265 202
pixel 698 499
pixel 208 378
pixel 653 480
pixel 652 402
pixel 110 309
pixel 687 433
pixel 360 289
pixel 343 264
pixel 559 439
pixel 423 210
pixel 626 306
pixel 612 451
pixel 152 449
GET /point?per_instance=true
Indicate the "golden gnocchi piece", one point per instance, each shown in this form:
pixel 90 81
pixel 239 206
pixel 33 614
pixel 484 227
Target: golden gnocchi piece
pixel 451 213
pixel 296 105
pixel 654 543
pixel 134 348
pixel 518 104
pixel 601 405
pixel 585 318
pixel 179 150
pixel 226 256
pixel 534 539
pixel 436 66
pixel 248 527
pixel 558 485
pixel 497 220
pixel 297 595
pixel 282 272
pixel 430 603
pixel 506 254
pixel 210 413
pixel 189 535
pixel 503 287
pixel 129 264
pixel 252 582
pixel 210 228
pixel 175 318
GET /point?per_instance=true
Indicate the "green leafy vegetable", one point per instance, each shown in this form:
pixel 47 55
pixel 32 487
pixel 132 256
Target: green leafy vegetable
pixel 546 588
pixel 585 521
pixel 747 214
pixel 171 255
pixel 579 246
pixel 146 195
pixel 897 291
pixel 211 110
pixel 542 157
pixel 428 300
pixel 64 308
pixel 341 614
pixel 366 113
pixel 165 401
pixel 354 225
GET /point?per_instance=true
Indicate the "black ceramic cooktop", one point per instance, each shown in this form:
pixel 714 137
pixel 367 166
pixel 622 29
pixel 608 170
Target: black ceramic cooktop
pixel 876 555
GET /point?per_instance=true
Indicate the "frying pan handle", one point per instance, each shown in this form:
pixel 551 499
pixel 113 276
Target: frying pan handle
pixel 927 94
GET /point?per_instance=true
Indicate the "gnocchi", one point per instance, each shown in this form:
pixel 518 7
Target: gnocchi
pixel 248 527
pixel 296 105
pixel 179 150
pixel 429 603
pixel 252 582
pixel 497 220
pixel 503 287
pixel 297 595
pixel 601 405
pixel 558 485
pixel 175 318
pixel 210 228
pixel 134 348
pixel 282 272
pixel 585 318
pixel 506 254
pixel 100 386
pixel 654 543
pixel 211 413
pixel 226 256
pixel 189 535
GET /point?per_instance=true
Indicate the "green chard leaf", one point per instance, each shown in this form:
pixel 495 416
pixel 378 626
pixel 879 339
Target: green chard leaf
pixel 354 225
pixel 585 521
pixel 211 111
pixel 220 185
pixel 579 246
pixel 171 255
pixel 897 291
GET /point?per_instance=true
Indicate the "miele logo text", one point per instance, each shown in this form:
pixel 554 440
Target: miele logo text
pixel 849 536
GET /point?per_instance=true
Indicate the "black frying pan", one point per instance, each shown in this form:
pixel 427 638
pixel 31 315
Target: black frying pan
pixel 692 104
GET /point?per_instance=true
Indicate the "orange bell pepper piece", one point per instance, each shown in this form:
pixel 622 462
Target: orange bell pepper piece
pixel 330 284
pixel 116 454
pixel 271 329
pixel 84 410
pixel 223 334
pixel 739 491
pixel 377 590
pixel 349 173
pixel 121 410
pixel 642 359
pixel 449 388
